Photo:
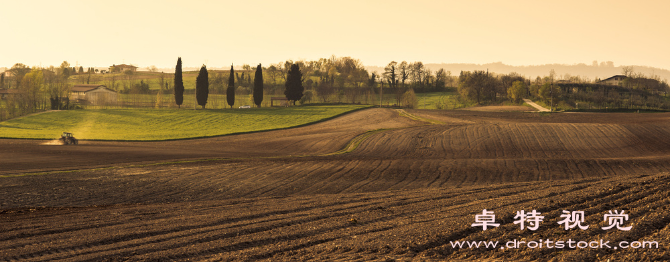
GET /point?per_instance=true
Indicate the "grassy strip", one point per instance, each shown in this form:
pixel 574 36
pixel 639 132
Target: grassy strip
pixel 162 124
pixel 355 142
pixel 404 113
pixel 441 100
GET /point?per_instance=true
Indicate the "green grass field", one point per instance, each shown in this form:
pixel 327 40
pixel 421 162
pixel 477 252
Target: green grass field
pixel 164 124
pixel 433 100
pixel 447 100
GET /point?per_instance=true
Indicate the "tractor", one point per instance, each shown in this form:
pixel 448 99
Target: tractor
pixel 67 139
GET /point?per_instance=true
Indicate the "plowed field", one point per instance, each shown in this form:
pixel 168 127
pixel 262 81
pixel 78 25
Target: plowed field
pixel 398 189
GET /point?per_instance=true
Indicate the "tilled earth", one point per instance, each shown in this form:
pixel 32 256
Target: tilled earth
pixel 406 193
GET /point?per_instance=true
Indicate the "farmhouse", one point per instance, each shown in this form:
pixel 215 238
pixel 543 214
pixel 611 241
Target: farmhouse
pixel 93 95
pixel 122 68
pixel 616 80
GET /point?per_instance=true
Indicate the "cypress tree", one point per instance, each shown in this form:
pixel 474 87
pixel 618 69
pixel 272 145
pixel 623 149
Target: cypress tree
pixel 178 85
pixel 258 86
pixel 202 86
pixel 2 80
pixel 293 84
pixel 230 92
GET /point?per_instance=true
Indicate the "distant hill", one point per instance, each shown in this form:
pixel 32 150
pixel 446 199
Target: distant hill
pixel 582 70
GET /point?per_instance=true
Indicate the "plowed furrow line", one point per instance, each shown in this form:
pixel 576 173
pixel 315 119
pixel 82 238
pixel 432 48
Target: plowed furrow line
pixel 302 246
pixel 312 173
pixel 334 175
pixel 521 134
pixel 237 175
pixel 599 141
pixel 354 181
pixel 196 230
pixel 344 178
pixel 513 144
pixel 645 135
pixel 438 174
pixel 270 183
pixel 540 139
pixel 216 223
pixel 563 140
pixel 21 234
pixel 402 173
pixel 594 205
pixel 372 143
pixel 274 225
pixel 422 200
pixel 303 176
pixel 415 179
pixel 575 139
pixel 429 208
pixel 370 175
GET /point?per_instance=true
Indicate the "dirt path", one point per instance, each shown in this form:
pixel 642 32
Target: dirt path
pixel 536 106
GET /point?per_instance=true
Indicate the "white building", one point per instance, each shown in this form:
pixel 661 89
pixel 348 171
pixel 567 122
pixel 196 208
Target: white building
pixel 93 95
pixel 616 80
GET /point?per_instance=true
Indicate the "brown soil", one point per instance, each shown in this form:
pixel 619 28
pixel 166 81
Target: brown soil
pixel 501 109
pixel 403 194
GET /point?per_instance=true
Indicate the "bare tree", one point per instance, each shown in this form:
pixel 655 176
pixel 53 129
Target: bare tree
pixel 404 72
pixel 390 73
pixel 627 70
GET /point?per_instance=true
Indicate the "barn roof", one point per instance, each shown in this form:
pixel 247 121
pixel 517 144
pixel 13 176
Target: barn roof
pixel 85 88
pixel 612 77
pixel 124 66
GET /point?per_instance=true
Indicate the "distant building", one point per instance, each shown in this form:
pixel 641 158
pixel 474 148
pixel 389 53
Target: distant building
pixel 616 80
pixel 93 95
pixel 122 68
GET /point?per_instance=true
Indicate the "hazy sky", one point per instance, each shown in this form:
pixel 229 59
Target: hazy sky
pixel 218 33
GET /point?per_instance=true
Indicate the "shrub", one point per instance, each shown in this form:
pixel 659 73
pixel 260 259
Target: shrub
pixel 409 99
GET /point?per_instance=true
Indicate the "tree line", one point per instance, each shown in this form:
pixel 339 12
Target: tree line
pixel 334 79
pixel 293 85
pixel 328 80
pixel 30 90
pixel 636 91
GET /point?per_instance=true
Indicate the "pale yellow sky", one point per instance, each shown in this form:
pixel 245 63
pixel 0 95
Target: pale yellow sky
pixel 218 33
